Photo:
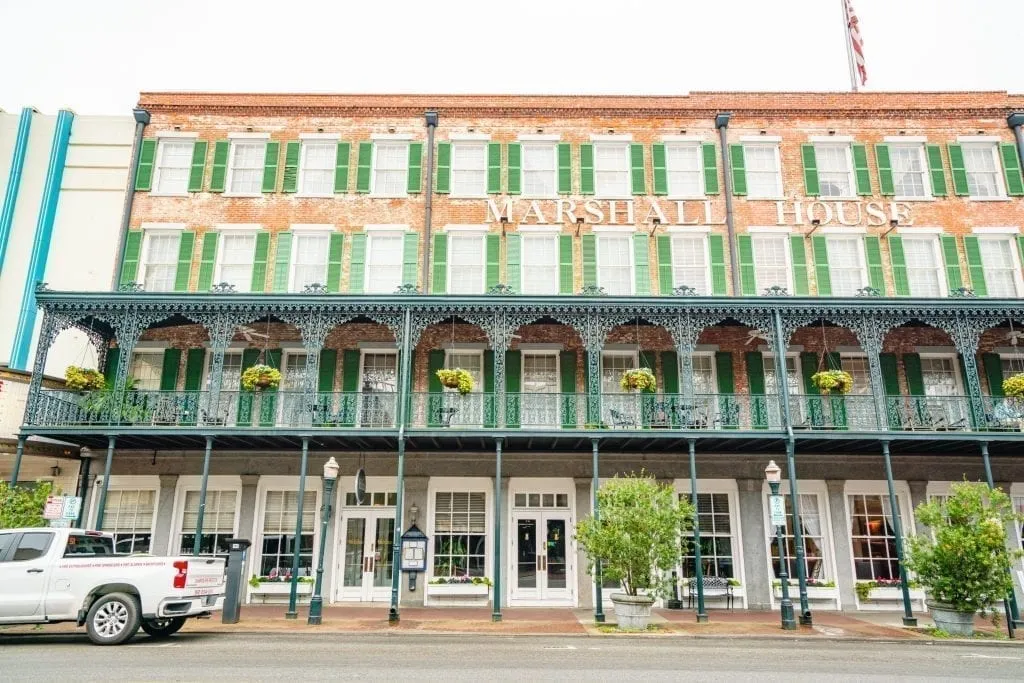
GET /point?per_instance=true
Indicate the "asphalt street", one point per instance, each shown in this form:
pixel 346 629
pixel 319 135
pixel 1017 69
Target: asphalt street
pixel 411 657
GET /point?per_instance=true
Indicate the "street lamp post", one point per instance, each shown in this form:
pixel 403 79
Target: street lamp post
pixel 773 473
pixel 316 603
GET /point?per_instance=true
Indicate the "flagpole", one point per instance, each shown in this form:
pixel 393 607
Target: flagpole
pixel 849 47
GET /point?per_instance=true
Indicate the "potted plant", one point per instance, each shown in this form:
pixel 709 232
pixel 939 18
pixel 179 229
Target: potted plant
pixel 636 540
pixel 827 381
pixel 460 586
pixel 640 379
pixel 260 377
pixel 456 378
pixel 99 405
pixel 83 379
pixel 963 563
pixel 1013 386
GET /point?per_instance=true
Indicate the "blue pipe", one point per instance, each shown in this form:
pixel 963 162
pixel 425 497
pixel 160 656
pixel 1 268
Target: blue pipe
pixel 14 181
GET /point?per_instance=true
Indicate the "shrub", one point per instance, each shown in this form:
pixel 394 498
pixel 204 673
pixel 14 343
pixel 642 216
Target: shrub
pixel 21 506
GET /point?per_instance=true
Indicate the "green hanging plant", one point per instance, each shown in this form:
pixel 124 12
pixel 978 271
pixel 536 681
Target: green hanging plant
pixel 83 379
pixel 260 377
pixel 641 379
pixel 827 381
pixel 1013 386
pixel 456 378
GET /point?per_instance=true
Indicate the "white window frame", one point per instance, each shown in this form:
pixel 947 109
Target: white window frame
pixel 858 240
pixel 243 139
pixel 940 261
pixel 624 148
pixel 234 232
pixel 157 230
pixel 612 232
pixel 377 142
pixel 730 489
pixel 1011 237
pixel 460 485
pixel 149 351
pixel 304 142
pixel 468 231
pixel 292 263
pixel 464 142
pixel 876 488
pixel 161 139
pixel 525 397
pixel 546 232
pixel 685 142
pixel 954 359
pixel 701 234
pixel 787 250
pixel 128 482
pixel 919 147
pixel 993 144
pixel 186 483
pixel 699 353
pixel 765 141
pixel 389 231
pixel 534 142
pixel 850 171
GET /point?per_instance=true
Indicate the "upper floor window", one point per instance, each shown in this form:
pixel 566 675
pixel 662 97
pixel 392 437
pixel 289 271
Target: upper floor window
pixel 835 170
pixel 309 261
pixel 690 262
pixel 469 169
pixel 981 163
pixel 909 171
pixel 846 265
pixel 466 263
pixel 615 263
pixel 685 167
pixel 612 170
pixel 158 266
pixel 245 173
pixel 539 263
pixel 540 169
pixel 1002 271
pixel 763 170
pixel 235 260
pixel 771 261
pixel 146 369
pixel 383 262
pixel 318 165
pixel 173 165
pixel 390 168
pixel 924 266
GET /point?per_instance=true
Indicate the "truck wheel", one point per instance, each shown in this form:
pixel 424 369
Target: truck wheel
pixel 163 628
pixel 113 619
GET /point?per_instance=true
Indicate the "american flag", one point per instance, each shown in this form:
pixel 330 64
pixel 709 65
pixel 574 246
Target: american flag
pixel 856 42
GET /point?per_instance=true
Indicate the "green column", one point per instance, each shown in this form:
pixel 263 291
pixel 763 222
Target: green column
pixel 102 503
pixel 496 612
pixel 1010 601
pixel 598 599
pixel 897 530
pixel 402 417
pixel 702 615
pixel 18 453
pixel 293 595
pixel 202 496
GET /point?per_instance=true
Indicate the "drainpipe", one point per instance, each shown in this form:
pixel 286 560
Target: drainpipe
pixel 722 123
pixel 141 121
pixel 1016 122
pixel 431 120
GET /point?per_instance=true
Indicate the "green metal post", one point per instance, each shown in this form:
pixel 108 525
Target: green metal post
pixel 897 529
pixel 18 453
pixel 404 390
pixel 202 496
pixel 102 503
pixel 598 598
pixel 496 613
pixel 316 603
pixel 786 606
pixel 1010 602
pixel 702 615
pixel 293 594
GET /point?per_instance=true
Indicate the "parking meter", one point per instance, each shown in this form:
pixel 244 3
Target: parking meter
pixel 237 548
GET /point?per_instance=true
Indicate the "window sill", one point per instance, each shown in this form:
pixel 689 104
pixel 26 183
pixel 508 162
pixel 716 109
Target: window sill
pixel 452 195
pixel 154 193
pixel 913 199
pixel 243 194
pixel 990 199
pixel 310 195
pixel 846 198
pixel 761 199
pixel 549 197
pixel 689 197
pixel 614 198
pixel 374 195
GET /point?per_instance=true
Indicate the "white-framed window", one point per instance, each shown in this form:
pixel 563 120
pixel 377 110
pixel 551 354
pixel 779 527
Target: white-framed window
pixel 618 408
pixel 984 169
pixel 872 536
pixel 467 264
pixel 539 263
pixel 378 388
pixel 704 378
pixel 719 549
pixel 909 171
pixel 859 411
pixel 835 170
pixel 1002 271
pixel 220 517
pixel 684 166
pixel 291 399
pixel 539 396
pixel 277 539
pixel 847 270
pixel 147 368
pixel 690 262
pixel 763 170
pixel 158 267
pixel 245 172
pixel 231 381
pixel 173 165
pixel 309 259
pixel 129 514
pixel 539 169
pixel 459 533
pixel 941 375
pixel 924 266
pixel 235 259
pixel 615 262
pixel 316 168
pixel 469 169
pixel 814 526
pixel 1012 364
pixel 468 409
pixel 772 388
pixel 384 262
pixel 390 168
pixel 612 170
pixel 772 258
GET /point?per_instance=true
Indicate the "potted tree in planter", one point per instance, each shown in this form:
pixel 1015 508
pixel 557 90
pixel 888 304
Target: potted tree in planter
pixel 963 563
pixel 636 539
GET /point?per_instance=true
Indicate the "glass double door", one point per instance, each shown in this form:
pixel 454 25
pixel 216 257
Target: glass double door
pixel 542 570
pixel 366 552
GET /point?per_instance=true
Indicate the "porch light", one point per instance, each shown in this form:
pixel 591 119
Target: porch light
pixel 316 602
pixel 773 473
pixel 331 469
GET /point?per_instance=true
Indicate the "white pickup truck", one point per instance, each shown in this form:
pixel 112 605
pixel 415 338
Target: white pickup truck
pixel 50 575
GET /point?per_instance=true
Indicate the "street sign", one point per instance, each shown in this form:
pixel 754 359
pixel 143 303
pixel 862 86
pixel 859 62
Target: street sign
pixel 72 507
pixel 777 506
pixel 54 508
pixel 60 523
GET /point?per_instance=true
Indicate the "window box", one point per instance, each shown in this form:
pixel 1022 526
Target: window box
pixel 891 598
pixel 278 591
pixel 813 592
pixel 458 590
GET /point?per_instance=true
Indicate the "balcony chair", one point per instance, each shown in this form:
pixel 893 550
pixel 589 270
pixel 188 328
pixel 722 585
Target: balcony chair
pixel 714 587
pixel 621 420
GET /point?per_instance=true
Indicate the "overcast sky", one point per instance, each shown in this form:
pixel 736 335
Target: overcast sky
pixel 96 56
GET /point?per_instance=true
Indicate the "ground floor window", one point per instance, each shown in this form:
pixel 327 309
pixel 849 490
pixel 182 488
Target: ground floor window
pixel 128 515
pixel 812 527
pixel 280 515
pixel 873 538
pixel 218 522
pixel 717 540
pixel 460 533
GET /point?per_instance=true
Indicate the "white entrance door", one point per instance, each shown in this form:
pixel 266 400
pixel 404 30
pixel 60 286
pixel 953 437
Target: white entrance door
pixel 542 558
pixel 366 558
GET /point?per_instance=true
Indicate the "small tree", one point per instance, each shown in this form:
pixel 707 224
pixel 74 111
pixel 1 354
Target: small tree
pixel 638 534
pixel 22 507
pixel 966 565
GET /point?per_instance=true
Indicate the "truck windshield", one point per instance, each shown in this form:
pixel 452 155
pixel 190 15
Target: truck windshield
pixel 88 545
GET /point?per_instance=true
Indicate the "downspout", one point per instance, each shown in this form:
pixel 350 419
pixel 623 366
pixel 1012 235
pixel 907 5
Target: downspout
pixel 141 120
pixel 722 123
pixel 1016 122
pixel 431 120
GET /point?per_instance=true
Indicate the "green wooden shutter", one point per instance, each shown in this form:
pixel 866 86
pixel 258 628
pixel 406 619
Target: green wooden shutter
pixel 586 169
pixel 259 265
pixel 439 285
pixel 335 254
pixel 956 165
pixel 755 388
pixel 207 262
pixel 899 266
pixel 410 258
pixel 290 181
pixel 799 252
pixel 490 415
pixel 198 170
pixel 493 267
pixel 739 169
pixel 665 280
pixel 564 168
pixel 716 249
pixel 341 162
pixel 974 265
pixel 885 180
pixel 514 152
pixel 513 258
pixel 113 359
pixel 951 257
pixel 357 265
pixel 647 359
pixel 636 161
pixel 350 360
pixel 513 384
pixel 589 248
pixel 815 408
pixel 748 283
pixel 282 262
pixel 641 263
pixel 873 257
pixel 1011 170
pixel 727 407
pixel 219 173
pixel 837 404
pixel 915 376
pixel 443 184
pixel 891 384
pixel 327 369
pixel 860 169
pixel 669 372
pixel 363 166
pixel 938 176
pixel 710 168
pixel 147 162
pixel 566 274
pixel 245 398
pixel 130 265
pixel 811 186
pixel 435 362
pixel 993 366
pixel 493 168
pixel 567 372
pixel 819 244
pixel 195 364
pixel 169 370
pixel 660 169
pixel 415 178
pixel 186 245
pixel 270 165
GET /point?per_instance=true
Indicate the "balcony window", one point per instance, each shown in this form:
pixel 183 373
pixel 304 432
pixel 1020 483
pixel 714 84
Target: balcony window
pixel 466 263
pixel 235 260
pixel 146 369
pixel 704 374
pixel 615 263
pixel 469 409
pixel 690 262
pixel 539 259
pixel 378 388
pixel 924 266
pixel 771 262
pixel 309 262
pixel 944 405
pixel 540 390
pixel 847 271
pixel 158 267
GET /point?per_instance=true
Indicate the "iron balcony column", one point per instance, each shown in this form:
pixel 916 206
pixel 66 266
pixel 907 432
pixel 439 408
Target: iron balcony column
pixel 102 503
pixel 897 530
pixel 598 598
pixel 702 615
pixel 786 606
pixel 18 453
pixel 402 418
pixel 496 612
pixel 293 594
pixel 196 542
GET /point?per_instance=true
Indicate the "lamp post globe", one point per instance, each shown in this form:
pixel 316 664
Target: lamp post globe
pixel 773 475
pixel 316 602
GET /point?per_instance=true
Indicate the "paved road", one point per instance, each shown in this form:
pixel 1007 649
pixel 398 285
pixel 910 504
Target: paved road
pixel 411 657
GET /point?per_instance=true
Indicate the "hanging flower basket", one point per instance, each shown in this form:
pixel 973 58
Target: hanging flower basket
pixel 456 378
pixel 260 377
pixel 828 381
pixel 83 379
pixel 641 379
pixel 1013 386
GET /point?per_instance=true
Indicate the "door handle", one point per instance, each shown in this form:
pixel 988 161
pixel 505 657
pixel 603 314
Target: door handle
pixel 34 571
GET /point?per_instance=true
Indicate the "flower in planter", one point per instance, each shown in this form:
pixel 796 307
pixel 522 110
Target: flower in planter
pixel 827 381
pixel 83 379
pixel 456 378
pixel 1013 386
pixel 260 377
pixel 641 379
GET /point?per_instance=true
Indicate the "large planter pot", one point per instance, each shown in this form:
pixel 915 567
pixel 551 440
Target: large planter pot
pixel 632 611
pixel 953 622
